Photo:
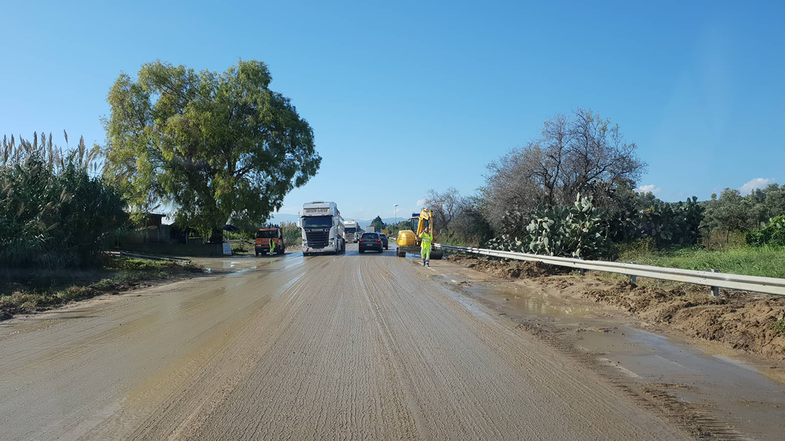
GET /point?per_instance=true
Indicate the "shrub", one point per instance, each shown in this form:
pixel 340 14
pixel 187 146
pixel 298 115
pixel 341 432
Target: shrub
pixel 779 326
pixel 292 235
pixel 576 231
pixel 240 247
pixel 643 216
pixel 772 234
pixel 52 213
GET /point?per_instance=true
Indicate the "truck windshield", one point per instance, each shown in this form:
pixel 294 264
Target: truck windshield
pixel 266 234
pixel 317 222
pixel 350 230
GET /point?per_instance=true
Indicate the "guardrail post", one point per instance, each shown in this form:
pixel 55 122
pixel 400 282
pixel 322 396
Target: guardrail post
pixel 633 279
pixel 715 290
pixel 582 272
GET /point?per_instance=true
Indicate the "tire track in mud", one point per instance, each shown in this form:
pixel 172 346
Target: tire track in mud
pixel 497 397
pixel 182 413
pixel 386 337
pixel 78 369
pixel 339 382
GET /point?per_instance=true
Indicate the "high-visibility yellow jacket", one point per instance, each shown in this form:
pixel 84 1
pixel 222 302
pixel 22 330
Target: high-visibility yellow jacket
pixel 427 238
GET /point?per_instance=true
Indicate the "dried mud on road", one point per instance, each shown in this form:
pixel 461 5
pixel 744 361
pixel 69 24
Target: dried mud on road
pixel 326 347
pixel 740 320
pixel 704 386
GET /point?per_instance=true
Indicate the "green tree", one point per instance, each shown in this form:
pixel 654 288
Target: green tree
pixel 214 145
pixel 378 224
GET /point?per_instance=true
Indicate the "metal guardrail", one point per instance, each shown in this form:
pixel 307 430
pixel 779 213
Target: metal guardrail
pixel 716 280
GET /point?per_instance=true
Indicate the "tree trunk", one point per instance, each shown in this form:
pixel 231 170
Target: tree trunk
pixel 217 236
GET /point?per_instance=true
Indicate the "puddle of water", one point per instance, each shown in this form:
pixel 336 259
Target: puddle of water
pixel 737 363
pixel 240 272
pixel 738 392
pixel 530 301
pixel 464 301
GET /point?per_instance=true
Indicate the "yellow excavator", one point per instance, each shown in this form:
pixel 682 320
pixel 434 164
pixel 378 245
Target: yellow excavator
pixel 409 240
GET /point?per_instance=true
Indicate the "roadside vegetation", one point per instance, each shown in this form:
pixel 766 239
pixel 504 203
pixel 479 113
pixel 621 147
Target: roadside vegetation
pixel 54 207
pixel 572 192
pixel 765 261
pixel 292 235
pixel 26 291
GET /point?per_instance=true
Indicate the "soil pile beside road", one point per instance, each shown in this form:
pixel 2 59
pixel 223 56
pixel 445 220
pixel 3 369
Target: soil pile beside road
pixel 742 320
pixel 510 270
pixel 747 321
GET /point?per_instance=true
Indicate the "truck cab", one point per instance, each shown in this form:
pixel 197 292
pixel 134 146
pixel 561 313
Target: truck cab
pixel 351 231
pixel 322 229
pixel 266 236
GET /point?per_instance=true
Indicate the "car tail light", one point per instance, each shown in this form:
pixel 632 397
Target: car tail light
pixel 361 240
pixel 378 240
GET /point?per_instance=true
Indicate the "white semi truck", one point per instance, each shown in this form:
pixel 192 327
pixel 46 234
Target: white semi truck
pixel 322 228
pixel 351 231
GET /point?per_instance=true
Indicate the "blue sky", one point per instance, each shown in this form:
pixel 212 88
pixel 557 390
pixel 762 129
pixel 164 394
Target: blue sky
pixel 434 90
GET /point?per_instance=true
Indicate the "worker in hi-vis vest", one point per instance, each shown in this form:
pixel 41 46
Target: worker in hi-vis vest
pixel 425 246
pixel 272 246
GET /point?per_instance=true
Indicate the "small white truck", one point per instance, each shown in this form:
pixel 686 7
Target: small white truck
pixel 351 231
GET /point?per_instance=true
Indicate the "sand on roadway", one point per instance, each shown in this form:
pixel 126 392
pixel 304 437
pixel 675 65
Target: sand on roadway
pixel 326 347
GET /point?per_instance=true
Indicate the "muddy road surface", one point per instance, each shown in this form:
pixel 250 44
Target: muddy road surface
pixel 328 347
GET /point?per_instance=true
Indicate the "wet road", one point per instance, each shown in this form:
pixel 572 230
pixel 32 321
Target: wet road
pixel 327 347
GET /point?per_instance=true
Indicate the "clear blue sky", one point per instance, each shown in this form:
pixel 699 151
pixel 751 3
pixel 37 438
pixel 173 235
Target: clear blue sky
pixel 435 90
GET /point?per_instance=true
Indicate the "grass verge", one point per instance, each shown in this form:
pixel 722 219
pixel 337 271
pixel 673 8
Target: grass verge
pixel 752 261
pixel 30 291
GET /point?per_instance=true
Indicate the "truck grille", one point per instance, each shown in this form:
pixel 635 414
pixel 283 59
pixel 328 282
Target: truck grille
pixel 317 238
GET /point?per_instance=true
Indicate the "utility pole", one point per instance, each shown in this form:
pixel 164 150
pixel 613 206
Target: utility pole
pixel 395 206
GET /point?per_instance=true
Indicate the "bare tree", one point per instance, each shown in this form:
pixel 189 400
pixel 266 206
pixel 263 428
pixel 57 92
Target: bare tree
pixel 577 153
pixel 445 206
pixel 513 183
pixel 458 218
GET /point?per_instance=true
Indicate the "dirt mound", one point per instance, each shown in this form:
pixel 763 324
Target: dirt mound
pixel 743 320
pixel 507 269
pixel 747 321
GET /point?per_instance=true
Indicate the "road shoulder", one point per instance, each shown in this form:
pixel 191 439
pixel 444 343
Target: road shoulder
pixel 707 388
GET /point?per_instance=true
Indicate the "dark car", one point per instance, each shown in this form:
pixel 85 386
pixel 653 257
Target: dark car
pixel 370 241
pixel 385 241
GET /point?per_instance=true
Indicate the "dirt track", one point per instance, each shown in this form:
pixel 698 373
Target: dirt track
pixel 328 347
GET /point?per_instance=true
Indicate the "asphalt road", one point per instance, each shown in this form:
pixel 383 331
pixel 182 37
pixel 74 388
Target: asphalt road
pixel 327 347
